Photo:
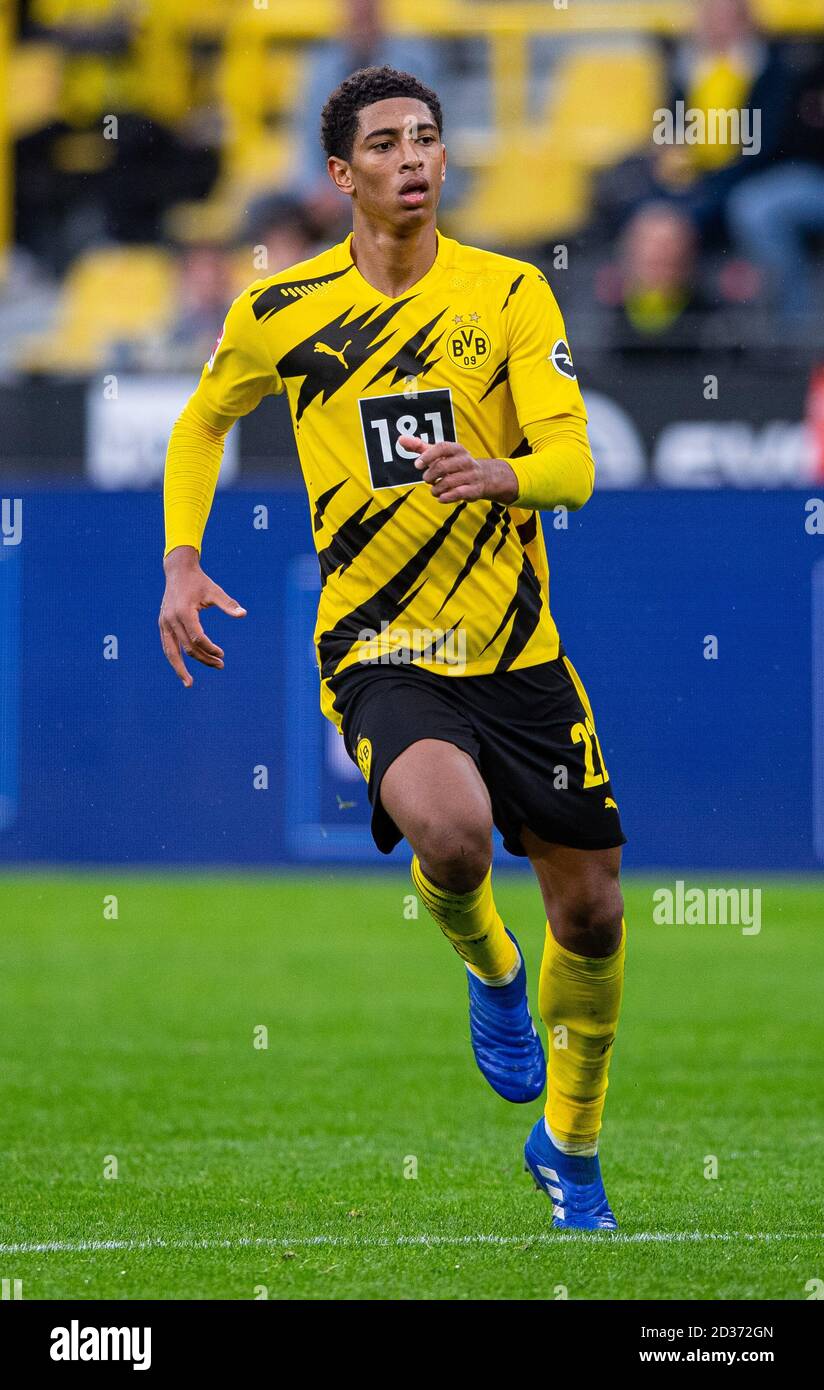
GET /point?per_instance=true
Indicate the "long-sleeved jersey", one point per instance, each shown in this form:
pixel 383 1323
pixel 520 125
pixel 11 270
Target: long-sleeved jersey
pixel 474 352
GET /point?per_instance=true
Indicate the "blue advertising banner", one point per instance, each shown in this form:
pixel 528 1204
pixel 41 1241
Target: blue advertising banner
pixel 689 615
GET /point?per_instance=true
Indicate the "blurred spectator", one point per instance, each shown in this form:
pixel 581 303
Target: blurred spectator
pixel 774 215
pixel 204 294
pixel 721 67
pixel 724 66
pixel 281 230
pixel 678 203
pixel 654 291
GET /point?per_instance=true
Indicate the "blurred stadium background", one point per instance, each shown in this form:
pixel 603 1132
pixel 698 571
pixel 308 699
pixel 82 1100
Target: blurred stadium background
pixel 155 156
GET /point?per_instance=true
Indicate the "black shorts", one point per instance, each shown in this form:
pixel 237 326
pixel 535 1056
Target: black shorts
pixel 531 734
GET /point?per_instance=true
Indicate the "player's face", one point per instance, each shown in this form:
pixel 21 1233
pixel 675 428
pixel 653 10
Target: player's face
pixel 398 163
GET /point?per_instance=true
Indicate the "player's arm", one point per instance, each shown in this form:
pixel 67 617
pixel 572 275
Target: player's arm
pixel 559 470
pixel 233 382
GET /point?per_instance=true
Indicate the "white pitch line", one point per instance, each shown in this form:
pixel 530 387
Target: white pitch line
pixel 27 1247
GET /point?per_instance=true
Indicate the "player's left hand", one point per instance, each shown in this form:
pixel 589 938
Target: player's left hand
pixel 455 476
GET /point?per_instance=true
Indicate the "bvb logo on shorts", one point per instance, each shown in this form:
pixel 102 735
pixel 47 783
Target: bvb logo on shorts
pixel 469 344
pixel 363 753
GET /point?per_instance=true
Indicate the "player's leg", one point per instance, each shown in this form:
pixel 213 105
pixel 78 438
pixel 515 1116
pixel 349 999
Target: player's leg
pixel 553 801
pixel 580 988
pixel 580 984
pixel 436 797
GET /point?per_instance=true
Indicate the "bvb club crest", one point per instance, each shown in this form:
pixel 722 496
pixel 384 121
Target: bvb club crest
pixel 468 342
pixel 363 753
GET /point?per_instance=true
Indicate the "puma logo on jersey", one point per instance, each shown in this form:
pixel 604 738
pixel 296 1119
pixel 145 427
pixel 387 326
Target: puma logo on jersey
pixel 333 352
pixel 610 804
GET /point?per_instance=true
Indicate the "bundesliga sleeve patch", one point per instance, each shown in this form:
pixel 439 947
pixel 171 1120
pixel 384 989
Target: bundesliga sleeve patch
pixel 561 359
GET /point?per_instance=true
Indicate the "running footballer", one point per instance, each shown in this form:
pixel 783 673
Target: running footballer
pixel 436 412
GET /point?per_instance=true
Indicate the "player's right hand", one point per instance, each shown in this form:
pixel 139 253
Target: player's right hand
pixel 188 590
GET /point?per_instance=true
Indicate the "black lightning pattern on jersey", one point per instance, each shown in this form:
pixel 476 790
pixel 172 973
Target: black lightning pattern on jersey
pixel 525 605
pixel 486 530
pixel 498 378
pixel 528 530
pixel 318 357
pixel 414 357
pixel 269 301
pixel 323 502
pixel 431 650
pixel 351 537
pixel 385 604
pixel 513 287
pixel 505 525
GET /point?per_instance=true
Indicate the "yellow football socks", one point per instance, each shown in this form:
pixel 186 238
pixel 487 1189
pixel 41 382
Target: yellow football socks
pixel 471 923
pixel 580 1000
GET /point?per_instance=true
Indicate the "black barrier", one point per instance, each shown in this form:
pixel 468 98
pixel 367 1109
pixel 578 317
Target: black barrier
pixel 677 419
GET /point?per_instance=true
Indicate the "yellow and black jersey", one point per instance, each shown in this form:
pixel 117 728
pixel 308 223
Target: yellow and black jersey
pixel 474 352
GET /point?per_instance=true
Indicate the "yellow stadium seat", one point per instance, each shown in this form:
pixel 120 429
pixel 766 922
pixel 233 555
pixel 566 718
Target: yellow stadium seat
pixel 114 294
pixel 601 102
pixel 794 16
pixel 599 108
pixel 36 72
pixel 258 164
pixel 55 13
pixel 515 201
pixel 259 82
pixel 199 18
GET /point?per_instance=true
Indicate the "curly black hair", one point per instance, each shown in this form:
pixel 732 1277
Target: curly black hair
pixel 339 118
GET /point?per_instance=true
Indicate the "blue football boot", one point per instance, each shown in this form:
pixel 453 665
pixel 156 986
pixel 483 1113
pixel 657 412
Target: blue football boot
pixel 506 1046
pixel 573 1184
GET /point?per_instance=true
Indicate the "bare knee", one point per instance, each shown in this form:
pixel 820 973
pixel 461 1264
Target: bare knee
pixel 588 921
pixel 455 853
pixel 435 794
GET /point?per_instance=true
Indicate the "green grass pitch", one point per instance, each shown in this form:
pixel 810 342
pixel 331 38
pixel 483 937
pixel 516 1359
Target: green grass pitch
pixel 287 1171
